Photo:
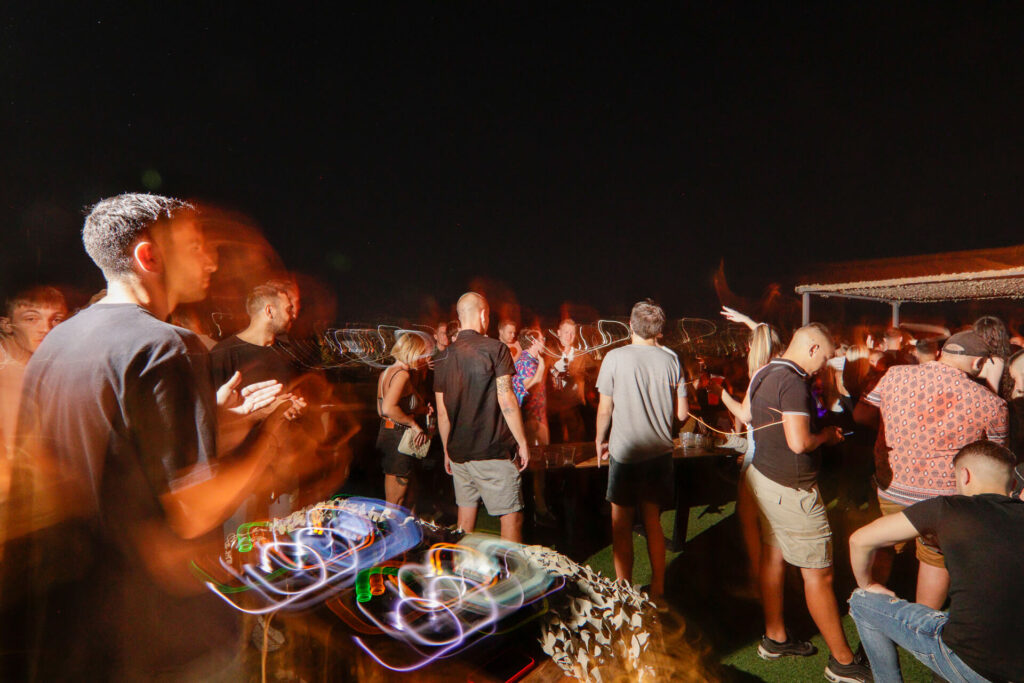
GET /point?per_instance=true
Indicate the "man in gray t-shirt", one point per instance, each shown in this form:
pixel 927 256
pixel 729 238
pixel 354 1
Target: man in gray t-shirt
pixel 641 391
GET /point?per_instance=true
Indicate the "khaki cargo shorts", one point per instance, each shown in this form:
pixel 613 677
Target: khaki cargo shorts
pixel 793 520
pixel 497 482
pixel 927 549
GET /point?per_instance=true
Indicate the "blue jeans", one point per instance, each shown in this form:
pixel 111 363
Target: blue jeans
pixel 885 622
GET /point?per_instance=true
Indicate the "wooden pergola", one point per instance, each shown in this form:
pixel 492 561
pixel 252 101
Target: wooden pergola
pixel 931 278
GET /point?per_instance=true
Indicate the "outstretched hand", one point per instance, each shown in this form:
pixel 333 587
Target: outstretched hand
pixel 248 399
pixel 735 316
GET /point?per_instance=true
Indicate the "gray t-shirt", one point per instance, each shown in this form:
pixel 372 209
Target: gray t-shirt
pixel 643 382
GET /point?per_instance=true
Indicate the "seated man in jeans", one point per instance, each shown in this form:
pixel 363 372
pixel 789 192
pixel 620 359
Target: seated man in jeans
pixel 981 532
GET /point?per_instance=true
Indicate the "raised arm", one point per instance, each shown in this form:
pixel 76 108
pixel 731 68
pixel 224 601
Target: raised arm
pixel 510 411
pixel 735 316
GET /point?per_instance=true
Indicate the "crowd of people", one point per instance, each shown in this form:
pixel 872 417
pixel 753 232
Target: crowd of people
pixel 138 440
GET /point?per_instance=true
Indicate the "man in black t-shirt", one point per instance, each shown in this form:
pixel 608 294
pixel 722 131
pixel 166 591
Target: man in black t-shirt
pixel 252 351
pixel 981 533
pixel 117 435
pixel 479 421
pixel 794 524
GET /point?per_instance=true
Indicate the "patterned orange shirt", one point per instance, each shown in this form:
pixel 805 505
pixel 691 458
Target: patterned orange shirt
pixel 929 412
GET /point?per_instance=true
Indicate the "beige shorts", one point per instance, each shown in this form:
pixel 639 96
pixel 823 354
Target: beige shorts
pixel 927 549
pixel 497 482
pixel 793 520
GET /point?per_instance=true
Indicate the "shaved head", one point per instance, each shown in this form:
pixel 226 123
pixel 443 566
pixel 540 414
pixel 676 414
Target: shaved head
pixel 469 308
pixel 811 347
pixel 990 468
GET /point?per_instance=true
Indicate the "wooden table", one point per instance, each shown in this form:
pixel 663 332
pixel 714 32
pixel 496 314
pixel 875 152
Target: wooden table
pixel 687 462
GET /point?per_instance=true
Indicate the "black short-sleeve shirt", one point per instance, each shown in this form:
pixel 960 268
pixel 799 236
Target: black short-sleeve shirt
pixel 466 374
pixel 122 404
pixel 781 387
pixel 981 538
pixel 256 363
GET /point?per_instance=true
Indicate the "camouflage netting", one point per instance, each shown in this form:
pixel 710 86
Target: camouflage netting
pixel 596 622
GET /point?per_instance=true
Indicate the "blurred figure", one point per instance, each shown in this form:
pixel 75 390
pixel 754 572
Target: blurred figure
pixel 480 423
pixel 892 348
pixel 29 316
pixel 507 336
pixel 993 331
pixel 926 350
pixel 530 387
pixel 531 392
pixel 400 401
pixel 189 317
pixel 251 351
pixel 441 337
pixel 567 387
pixel 117 428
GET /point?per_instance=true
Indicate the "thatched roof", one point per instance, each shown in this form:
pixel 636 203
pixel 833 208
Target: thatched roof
pixel 953 276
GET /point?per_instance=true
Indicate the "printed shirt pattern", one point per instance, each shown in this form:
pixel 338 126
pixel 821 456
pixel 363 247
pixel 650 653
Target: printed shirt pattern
pixel 533 401
pixel 930 412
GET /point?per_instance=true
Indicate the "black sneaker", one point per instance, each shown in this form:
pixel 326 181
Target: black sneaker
pixel 773 649
pixel 857 671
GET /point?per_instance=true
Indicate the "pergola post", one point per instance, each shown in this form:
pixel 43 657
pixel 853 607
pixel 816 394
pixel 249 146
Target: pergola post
pixel 896 313
pixel 806 298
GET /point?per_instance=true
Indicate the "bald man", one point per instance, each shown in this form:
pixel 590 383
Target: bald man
pixel 479 421
pixel 784 480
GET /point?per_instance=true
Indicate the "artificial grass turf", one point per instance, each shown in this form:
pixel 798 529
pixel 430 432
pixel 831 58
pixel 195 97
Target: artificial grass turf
pixel 702 583
pixel 742 662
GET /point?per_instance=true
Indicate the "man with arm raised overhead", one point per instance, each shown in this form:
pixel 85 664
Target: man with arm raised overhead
pixel 480 423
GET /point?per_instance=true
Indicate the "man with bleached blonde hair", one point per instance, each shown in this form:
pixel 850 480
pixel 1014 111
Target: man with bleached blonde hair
pixel 480 423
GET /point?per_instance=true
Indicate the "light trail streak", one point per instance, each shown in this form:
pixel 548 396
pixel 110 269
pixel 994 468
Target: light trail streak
pixel 304 563
pixel 457 595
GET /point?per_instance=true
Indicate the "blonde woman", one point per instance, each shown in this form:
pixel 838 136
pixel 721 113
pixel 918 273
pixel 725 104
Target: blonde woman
pixel 765 344
pixel 399 403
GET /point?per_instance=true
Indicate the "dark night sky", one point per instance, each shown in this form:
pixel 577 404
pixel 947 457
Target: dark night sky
pixel 591 155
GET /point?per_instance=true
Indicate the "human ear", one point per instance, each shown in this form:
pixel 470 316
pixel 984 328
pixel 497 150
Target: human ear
pixel 5 325
pixel 147 255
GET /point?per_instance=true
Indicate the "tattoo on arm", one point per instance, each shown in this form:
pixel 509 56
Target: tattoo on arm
pixel 504 384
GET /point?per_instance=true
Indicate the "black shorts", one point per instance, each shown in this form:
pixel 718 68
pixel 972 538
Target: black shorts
pixel 393 462
pixel 650 481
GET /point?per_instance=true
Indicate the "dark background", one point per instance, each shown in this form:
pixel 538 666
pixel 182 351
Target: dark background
pixel 579 153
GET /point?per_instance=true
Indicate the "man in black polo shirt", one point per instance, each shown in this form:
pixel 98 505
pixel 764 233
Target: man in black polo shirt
pixel 783 478
pixel 479 421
